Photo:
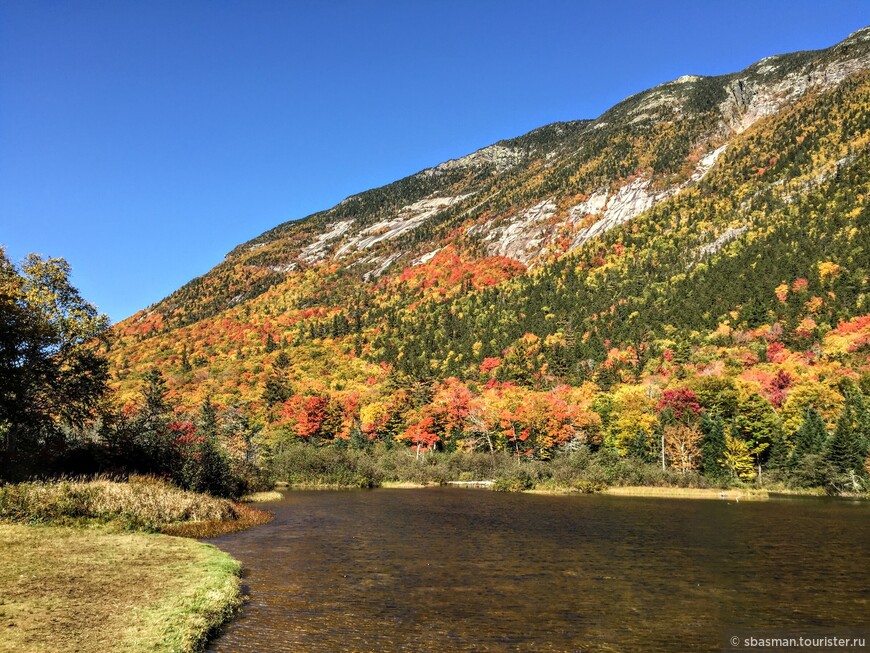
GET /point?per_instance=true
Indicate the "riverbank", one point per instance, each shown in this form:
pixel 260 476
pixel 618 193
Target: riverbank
pixel 94 565
pixel 726 494
pixel 91 589
pixel 311 467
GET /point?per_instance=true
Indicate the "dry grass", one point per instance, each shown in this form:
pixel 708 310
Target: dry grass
pixel 262 497
pixel 142 503
pixel 90 589
pixel 246 517
pixel 730 494
pixel 94 588
pixel 406 485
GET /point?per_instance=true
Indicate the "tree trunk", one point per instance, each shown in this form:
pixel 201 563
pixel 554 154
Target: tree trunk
pixel 663 453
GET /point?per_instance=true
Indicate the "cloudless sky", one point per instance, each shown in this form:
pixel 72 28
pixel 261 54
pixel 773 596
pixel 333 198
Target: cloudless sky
pixel 142 141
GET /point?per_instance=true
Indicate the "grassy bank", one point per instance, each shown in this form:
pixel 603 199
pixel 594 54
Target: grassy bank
pixel 92 589
pixel 90 566
pixel 262 497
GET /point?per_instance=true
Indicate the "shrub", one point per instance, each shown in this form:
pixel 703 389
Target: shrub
pixel 301 464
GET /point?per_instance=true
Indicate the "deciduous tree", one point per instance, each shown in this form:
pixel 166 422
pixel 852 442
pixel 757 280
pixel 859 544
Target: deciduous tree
pixel 682 446
pixel 51 369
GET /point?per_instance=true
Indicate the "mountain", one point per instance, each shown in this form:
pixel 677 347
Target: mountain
pixel 707 227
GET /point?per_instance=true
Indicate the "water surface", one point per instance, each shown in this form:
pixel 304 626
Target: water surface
pixel 465 570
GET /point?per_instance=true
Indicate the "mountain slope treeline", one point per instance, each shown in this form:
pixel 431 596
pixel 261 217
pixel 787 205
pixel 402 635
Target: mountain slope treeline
pixel 681 282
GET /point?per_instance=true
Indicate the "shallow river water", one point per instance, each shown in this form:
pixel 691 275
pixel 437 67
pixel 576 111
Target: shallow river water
pixel 467 570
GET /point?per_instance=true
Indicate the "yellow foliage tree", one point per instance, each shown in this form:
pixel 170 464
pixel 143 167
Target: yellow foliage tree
pixel 823 396
pixel 828 271
pixel 633 411
pixel 738 458
pixel 372 416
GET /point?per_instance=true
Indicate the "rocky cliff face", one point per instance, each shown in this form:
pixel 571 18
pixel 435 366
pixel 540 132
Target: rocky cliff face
pixel 775 82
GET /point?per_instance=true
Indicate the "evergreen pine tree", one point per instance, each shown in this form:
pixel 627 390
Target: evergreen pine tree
pixel 282 360
pixel 358 439
pixel 779 453
pixel 206 467
pixel 639 447
pixel 846 449
pixel 153 449
pixel 208 419
pixel 155 406
pixel 713 446
pixel 810 437
pixel 862 418
pixel 275 392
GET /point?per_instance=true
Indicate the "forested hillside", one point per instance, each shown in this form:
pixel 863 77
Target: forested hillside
pixel 683 279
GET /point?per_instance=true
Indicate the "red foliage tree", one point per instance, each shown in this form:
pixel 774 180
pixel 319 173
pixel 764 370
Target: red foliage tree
pixel 681 402
pixel 306 414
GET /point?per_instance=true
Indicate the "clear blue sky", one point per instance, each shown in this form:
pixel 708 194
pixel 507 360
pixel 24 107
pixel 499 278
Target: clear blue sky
pixel 143 140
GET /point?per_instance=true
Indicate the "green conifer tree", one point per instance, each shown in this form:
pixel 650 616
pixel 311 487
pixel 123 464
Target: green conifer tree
pixel 810 437
pixel 155 407
pixel 206 467
pixel 639 447
pixel 358 439
pixel 152 446
pixel 713 446
pixel 846 449
pixel 276 391
pixel 185 361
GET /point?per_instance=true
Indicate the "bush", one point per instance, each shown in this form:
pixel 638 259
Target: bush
pixel 302 464
pixel 517 480
pixel 519 475
pixel 811 470
pixel 582 470
pixel 206 468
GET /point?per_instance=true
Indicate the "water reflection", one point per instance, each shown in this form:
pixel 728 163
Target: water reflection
pixel 465 570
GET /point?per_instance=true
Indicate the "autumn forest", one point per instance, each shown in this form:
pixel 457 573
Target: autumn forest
pixel 675 293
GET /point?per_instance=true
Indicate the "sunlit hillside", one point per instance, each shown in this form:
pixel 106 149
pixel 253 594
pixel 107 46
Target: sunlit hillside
pixel 701 247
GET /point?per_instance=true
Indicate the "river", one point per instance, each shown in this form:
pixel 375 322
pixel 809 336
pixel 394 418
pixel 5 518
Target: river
pixel 469 570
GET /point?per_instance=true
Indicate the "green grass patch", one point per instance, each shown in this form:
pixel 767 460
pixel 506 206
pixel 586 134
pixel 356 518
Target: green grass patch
pixel 95 589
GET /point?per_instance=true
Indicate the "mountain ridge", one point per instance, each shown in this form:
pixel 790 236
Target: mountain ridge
pixel 584 252
pixel 508 153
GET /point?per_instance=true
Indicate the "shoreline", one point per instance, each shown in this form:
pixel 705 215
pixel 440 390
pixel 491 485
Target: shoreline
pixel 639 491
pixel 729 494
pixel 185 590
pixel 70 551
